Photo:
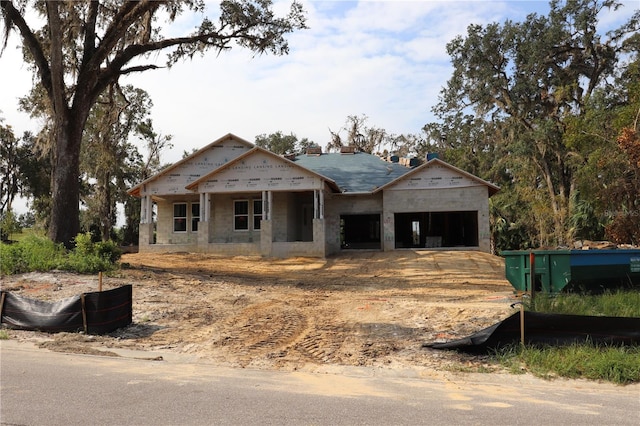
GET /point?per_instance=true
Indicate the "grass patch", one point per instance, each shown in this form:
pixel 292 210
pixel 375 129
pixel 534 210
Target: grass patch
pixel 620 365
pixel 616 364
pixel 611 304
pixel 4 335
pixel 26 233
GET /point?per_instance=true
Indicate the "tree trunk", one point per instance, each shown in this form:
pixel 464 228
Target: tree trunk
pixel 106 207
pixel 555 200
pixel 65 180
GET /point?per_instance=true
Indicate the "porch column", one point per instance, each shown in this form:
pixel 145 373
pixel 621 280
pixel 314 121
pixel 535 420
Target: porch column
pixel 203 226
pixel 316 203
pixel 266 225
pixel 265 206
pixel 145 230
pixel 203 209
pixel 143 209
pixel 146 209
pixel 207 206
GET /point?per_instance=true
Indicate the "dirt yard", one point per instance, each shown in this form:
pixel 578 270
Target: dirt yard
pixel 357 309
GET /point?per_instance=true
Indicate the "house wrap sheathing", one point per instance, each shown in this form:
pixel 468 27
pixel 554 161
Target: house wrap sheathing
pixel 232 197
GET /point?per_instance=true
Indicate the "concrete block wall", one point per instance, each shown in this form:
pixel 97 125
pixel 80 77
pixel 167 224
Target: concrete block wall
pixel 279 216
pixel 339 204
pixel 145 235
pixel 315 248
pixel 204 228
pixel 163 222
pixel 437 200
pixel 221 228
pixel 232 249
pixel 266 237
pixel 164 231
pixel 287 215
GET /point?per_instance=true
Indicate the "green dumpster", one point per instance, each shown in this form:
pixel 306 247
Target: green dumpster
pixel 557 270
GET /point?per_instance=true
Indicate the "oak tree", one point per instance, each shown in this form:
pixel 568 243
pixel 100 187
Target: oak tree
pixel 79 48
pixel 530 78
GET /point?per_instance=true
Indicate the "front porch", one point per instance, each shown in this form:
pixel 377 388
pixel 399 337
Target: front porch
pixel 265 223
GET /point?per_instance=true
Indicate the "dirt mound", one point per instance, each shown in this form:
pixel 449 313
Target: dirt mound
pixel 359 308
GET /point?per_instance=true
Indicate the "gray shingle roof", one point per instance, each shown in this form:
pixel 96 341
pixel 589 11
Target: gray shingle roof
pixel 353 173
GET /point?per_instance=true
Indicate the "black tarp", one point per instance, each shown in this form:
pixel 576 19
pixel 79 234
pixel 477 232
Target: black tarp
pixel 103 312
pixel 549 329
pixel 29 314
pixel 108 310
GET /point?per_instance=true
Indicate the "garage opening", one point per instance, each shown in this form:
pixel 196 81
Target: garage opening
pixel 360 231
pixel 436 229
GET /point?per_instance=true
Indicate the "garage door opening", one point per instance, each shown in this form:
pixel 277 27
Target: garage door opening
pixel 360 231
pixel 436 229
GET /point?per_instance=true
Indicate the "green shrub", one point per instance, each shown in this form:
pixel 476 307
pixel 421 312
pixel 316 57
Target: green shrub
pixel 10 259
pixel 38 253
pixel 33 253
pixel 109 250
pixel 89 257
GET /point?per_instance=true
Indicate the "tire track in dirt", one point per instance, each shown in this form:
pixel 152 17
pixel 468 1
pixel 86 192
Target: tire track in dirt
pixel 263 330
pixel 360 308
pixel 322 343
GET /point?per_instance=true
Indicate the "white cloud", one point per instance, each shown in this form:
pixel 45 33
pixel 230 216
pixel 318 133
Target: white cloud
pixel 385 59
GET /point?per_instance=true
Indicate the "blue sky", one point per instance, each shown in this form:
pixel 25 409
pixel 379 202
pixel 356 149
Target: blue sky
pixel 384 59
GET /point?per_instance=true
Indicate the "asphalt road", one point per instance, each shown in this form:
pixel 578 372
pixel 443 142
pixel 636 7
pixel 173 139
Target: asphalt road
pixel 39 387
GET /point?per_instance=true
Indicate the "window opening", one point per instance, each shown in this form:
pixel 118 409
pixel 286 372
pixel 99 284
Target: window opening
pixel 241 215
pixel 180 217
pixel 195 216
pixel 257 213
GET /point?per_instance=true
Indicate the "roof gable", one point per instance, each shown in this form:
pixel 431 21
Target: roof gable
pixel 175 178
pixel 437 174
pixel 260 170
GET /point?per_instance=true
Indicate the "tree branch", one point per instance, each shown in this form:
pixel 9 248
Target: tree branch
pixel 13 17
pixel 138 68
pixel 58 92
pixel 90 32
pixel 124 18
pixel 114 69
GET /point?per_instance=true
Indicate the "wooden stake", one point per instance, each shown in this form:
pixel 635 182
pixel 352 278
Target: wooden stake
pixel 84 313
pixel 100 281
pixel 2 304
pixel 522 323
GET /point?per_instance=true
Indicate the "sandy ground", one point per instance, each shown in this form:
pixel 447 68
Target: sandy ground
pixel 356 309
